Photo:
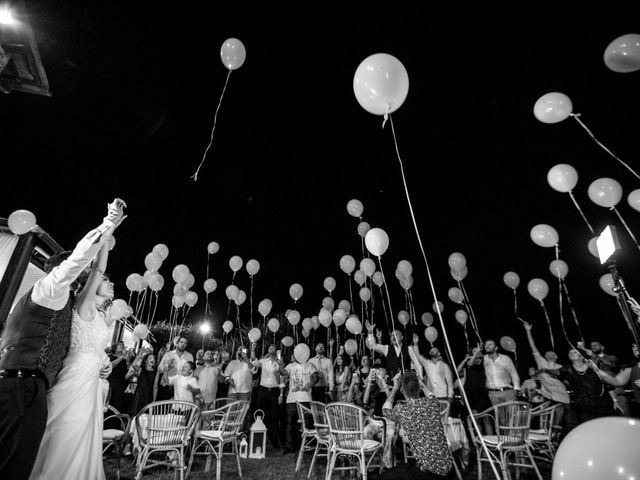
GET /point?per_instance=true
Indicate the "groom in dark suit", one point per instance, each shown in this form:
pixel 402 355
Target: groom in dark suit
pixel 34 343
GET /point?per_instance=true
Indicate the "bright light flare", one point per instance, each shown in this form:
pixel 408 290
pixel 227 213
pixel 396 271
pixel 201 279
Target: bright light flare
pixel 6 17
pixel 205 328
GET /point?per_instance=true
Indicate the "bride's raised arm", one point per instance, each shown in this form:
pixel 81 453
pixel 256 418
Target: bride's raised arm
pixel 89 296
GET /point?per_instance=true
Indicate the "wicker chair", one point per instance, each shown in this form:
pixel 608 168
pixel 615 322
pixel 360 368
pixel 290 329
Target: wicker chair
pixel 346 428
pixel 218 428
pixel 308 434
pixel 543 438
pixel 165 427
pixel 512 421
pixel 323 438
pixel 115 437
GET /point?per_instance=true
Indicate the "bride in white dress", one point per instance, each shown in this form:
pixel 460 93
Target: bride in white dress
pixel 72 444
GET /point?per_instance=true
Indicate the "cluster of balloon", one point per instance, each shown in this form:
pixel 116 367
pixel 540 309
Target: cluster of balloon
pixel 381 84
pixel 563 178
pixel 601 448
pixel 181 292
pixel 622 55
pixel 21 222
pixel 301 352
pixel 236 295
pixel 233 55
pixel 404 272
pixel 539 289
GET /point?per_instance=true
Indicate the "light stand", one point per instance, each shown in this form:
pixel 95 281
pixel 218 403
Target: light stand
pixel 623 297
pixel 608 246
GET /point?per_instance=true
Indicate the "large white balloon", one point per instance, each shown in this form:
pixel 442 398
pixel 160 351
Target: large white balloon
pixel 377 241
pixel 381 84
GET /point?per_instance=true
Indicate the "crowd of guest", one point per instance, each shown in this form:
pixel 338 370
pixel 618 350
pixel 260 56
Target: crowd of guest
pixel 387 382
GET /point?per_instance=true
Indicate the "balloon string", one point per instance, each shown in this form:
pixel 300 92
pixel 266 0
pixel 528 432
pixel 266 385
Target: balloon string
pixel 626 227
pixel 577 119
pixel 557 250
pixel 350 291
pixel 384 307
pixel 546 315
pixel 582 213
pixel 433 292
pixel 472 315
pixel 515 305
pixel 215 120
pixel 154 310
pixel 393 323
pixel 251 301
pixel 575 317
pixel 466 337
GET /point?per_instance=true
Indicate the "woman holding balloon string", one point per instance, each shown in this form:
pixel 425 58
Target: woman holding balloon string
pixel 590 398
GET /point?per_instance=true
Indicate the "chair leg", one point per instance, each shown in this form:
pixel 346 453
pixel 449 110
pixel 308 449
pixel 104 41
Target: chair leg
pixel 302 446
pixel 331 462
pixel 363 467
pixel 533 463
pixel 313 459
pixel 479 461
pixel 235 450
pixel 219 460
pixel 193 454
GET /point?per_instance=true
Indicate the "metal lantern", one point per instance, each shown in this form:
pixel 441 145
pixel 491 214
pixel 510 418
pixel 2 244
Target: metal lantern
pixel 258 438
pixel 242 450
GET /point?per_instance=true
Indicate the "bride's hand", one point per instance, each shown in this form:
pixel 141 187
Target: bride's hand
pixel 105 371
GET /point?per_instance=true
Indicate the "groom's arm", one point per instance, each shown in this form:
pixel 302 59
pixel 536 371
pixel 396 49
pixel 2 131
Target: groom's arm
pixel 52 291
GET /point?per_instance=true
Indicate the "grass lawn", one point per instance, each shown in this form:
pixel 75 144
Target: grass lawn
pixel 274 467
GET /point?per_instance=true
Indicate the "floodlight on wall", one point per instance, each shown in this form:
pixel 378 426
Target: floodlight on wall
pixel 21 67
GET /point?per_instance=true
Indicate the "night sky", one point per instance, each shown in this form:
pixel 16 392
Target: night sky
pixel 135 86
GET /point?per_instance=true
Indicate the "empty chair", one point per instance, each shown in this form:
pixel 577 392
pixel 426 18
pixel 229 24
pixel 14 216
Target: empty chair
pixel 164 428
pixel 346 428
pixel 115 437
pixel 512 421
pixel 323 438
pixel 217 429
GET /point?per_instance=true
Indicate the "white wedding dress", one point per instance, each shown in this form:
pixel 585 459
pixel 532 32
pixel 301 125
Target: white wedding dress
pixel 71 448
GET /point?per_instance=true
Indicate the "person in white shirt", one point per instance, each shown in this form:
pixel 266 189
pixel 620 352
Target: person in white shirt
pixel 503 380
pixel 324 367
pixel 173 362
pixel 238 375
pixel 185 385
pixel 302 377
pixel 438 372
pixel 208 377
pixel 270 392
